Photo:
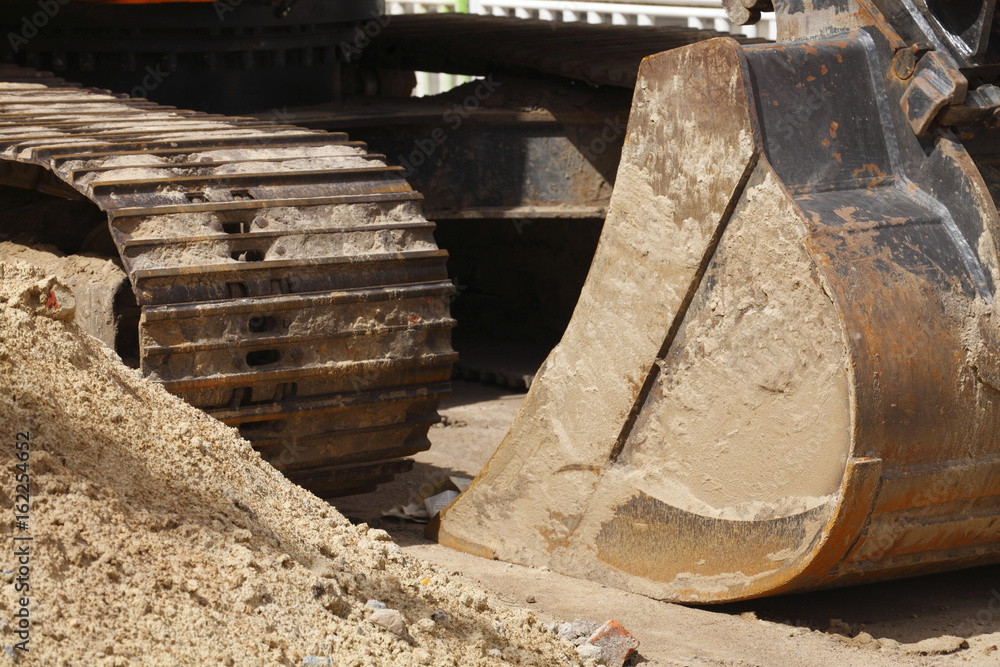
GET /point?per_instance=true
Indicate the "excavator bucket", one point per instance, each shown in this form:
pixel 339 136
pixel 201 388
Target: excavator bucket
pixel 783 371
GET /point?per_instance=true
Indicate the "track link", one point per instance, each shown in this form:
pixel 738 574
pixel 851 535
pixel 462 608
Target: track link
pixel 288 283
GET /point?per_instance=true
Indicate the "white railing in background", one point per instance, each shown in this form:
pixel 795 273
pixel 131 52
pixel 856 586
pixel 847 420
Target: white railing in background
pixel 691 13
pixel 700 14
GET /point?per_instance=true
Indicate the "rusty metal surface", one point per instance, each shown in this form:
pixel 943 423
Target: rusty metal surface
pixel 288 283
pixel 908 252
pixel 936 83
pixel 901 232
pixel 507 148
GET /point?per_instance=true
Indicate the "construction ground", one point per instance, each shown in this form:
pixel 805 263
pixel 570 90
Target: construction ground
pixel 159 537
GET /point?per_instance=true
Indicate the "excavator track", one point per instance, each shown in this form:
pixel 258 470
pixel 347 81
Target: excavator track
pixel 288 283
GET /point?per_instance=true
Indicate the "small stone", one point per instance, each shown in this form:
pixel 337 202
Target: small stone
pixel 391 620
pixel 316 661
pixel 495 653
pixel 565 631
pixel 379 535
pixel 375 604
pixel 589 652
pixel 530 599
pixel 584 628
pixel 749 615
pixel 439 617
pixel 937 646
pixel 615 642
pixel 50 297
pixel 422 657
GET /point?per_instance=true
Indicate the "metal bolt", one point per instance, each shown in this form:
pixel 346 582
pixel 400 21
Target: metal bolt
pixel 904 63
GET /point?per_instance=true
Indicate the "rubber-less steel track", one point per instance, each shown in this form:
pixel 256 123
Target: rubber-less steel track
pixel 289 285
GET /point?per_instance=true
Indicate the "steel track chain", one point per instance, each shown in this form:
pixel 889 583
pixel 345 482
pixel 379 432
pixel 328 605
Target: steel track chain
pixel 288 282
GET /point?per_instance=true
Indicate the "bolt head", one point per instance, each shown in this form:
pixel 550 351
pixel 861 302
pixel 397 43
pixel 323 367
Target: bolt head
pixel 904 63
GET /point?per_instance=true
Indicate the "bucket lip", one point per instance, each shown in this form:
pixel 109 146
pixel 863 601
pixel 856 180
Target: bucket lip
pixel 829 546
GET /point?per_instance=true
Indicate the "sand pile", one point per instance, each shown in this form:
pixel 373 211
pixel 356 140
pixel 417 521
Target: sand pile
pixel 160 537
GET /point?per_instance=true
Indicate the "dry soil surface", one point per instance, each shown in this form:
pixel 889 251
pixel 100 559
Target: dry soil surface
pixel 922 621
pixel 155 535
